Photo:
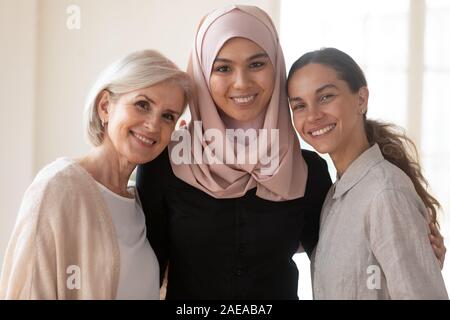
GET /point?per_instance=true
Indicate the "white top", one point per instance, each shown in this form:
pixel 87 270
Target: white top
pixel 373 239
pixel 139 268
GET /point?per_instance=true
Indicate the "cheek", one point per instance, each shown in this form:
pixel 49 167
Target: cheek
pixel 122 122
pixel 269 91
pixel 269 80
pixel 217 86
pixel 166 132
pixel 348 115
pixel 299 122
pixel 124 116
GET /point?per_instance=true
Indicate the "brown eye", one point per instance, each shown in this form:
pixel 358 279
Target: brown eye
pixel 143 105
pixel 168 116
pixel 298 106
pixel 257 65
pixel 222 69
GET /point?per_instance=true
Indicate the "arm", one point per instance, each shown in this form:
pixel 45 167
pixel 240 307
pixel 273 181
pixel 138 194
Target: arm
pixel 317 186
pixel 398 233
pixel 151 182
pixel 29 266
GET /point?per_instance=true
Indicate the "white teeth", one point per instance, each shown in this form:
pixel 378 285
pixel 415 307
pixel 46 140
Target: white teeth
pixel 144 139
pixel 323 130
pixel 241 100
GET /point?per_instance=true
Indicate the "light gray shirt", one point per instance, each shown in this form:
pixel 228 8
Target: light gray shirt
pixel 373 240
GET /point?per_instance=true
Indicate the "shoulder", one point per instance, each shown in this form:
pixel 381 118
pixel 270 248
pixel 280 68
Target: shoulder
pixel 314 160
pixel 319 180
pixel 58 187
pixel 394 194
pixel 387 177
pixel 156 171
pixel 160 164
pixel 60 176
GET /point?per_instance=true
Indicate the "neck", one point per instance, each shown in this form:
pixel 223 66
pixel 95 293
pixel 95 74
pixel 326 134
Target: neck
pixel 349 152
pixel 107 167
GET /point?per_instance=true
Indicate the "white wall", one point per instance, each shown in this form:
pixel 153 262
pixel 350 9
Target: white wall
pixel 69 60
pixel 17 100
pixel 47 70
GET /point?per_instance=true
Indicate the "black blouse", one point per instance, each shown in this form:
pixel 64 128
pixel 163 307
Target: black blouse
pixel 237 248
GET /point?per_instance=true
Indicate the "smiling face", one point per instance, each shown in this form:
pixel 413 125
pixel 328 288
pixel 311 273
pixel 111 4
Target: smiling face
pixel 327 114
pixel 242 79
pixel 140 123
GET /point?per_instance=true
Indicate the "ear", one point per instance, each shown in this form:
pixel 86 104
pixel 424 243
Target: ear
pixel 103 104
pixel 363 99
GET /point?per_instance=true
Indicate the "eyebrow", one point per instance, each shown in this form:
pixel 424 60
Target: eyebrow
pixel 153 102
pixel 255 56
pixel 325 86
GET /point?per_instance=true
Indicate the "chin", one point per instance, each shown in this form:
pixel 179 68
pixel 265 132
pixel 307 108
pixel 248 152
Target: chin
pixel 140 159
pixel 246 117
pixel 321 148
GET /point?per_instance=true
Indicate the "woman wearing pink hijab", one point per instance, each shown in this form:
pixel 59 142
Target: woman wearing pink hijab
pixel 228 217
pixel 229 229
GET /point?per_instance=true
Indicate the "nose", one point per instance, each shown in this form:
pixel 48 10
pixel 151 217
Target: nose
pixel 153 122
pixel 313 113
pixel 241 79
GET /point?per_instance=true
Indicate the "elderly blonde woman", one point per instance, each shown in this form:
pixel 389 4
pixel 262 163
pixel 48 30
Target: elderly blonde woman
pixel 80 231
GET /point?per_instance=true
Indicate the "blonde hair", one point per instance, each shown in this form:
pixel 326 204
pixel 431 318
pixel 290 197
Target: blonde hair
pixel 135 71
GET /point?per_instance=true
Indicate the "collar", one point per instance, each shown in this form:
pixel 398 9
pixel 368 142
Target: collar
pixel 357 170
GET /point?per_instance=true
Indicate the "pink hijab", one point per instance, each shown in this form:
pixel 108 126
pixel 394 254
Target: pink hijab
pixel 288 180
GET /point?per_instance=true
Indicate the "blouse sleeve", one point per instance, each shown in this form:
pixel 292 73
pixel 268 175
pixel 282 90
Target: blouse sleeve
pixel 29 266
pixel 317 186
pixel 398 232
pixel 151 183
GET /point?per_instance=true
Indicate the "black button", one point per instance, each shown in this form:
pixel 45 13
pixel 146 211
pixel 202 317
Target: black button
pixel 241 250
pixel 238 272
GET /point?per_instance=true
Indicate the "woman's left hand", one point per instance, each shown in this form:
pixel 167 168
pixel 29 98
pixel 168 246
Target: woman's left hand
pixel 437 242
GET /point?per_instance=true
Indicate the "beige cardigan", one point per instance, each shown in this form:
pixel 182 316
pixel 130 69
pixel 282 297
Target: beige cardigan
pixel 63 245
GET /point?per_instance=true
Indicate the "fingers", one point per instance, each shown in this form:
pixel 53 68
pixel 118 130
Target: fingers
pixel 440 255
pixel 437 240
pixel 438 243
pixel 439 249
pixel 435 231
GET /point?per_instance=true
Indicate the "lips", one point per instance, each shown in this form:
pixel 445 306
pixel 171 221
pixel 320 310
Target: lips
pixel 244 99
pixel 316 132
pixel 144 139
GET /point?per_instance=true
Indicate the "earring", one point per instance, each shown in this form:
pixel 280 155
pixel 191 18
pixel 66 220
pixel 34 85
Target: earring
pixel 103 123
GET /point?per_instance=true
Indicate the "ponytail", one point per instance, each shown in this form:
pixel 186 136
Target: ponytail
pixel 401 151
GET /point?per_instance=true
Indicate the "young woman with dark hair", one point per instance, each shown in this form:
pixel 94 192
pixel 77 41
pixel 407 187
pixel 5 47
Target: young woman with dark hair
pixel 373 238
